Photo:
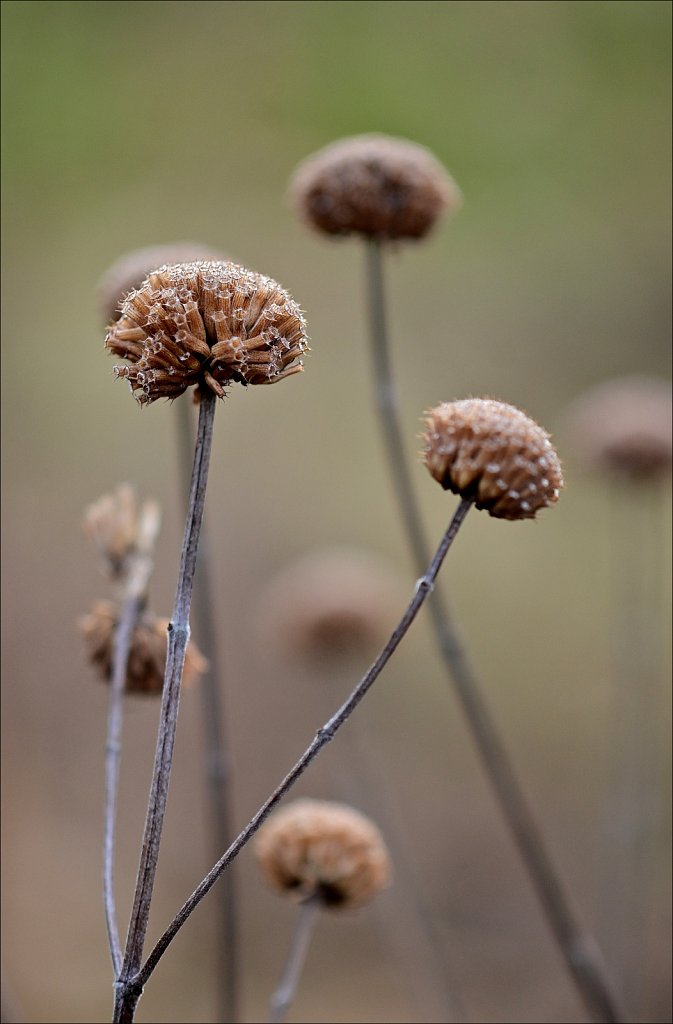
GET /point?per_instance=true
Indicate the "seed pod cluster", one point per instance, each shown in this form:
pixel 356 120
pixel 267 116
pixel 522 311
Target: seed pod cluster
pixel 493 454
pixel 207 324
pixel 316 848
pixel 373 185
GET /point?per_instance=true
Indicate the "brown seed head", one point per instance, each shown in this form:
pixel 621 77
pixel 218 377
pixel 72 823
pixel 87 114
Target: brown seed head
pixel 493 454
pixel 329 607
pixel 129 271
pixel 147 657
pixel 624 427
pixel 111 523
pixel 208 324
pixel 373 185
pixel 318 848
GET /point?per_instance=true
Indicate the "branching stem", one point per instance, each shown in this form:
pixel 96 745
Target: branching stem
pixel 578 949
pixel 322 737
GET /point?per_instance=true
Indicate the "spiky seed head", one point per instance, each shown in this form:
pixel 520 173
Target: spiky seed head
pixel 493 454
pixel 328 607
pixel 316 848
pixel 373 185
pixel 147 655
pixel 130 270
pixel 206 324
pixel 623 427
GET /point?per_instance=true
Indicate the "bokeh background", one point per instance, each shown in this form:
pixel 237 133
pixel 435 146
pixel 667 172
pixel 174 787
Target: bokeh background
pixel 129 124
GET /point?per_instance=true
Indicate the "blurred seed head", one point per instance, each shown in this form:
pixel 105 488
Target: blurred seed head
pixel 111 523
pixel 319 848
pixel 328 608
pixel 623 427
pixel 373 185
pixel 206 324
pixel 493 454
pixel 147 656
pixel 130 270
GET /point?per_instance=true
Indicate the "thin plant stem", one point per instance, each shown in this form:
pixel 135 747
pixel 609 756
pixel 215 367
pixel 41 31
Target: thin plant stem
pixel 630 802
pixel 323 736
pixel 296 958
pixel 136 581
pixel 216 762
pixel 126 992
pixel 580 953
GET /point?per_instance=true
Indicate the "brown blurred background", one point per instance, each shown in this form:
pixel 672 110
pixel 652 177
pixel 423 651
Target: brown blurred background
pixel 129 124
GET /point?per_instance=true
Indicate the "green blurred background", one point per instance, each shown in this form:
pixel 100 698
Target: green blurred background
pixel 130 124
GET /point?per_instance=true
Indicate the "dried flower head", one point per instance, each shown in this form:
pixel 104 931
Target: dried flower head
pixel 624 426
pixel 318 848
pixel 111 523
pixel 328 607
pixel 373 185
pixel 129 271
pixel 493 454
pixel 207 324
pixel 147 656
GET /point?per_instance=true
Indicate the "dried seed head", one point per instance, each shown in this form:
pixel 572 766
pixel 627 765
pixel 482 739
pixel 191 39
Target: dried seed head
pixel 129 272
pixel 111 523
pixel 318 848
pixel 208 324
pixel 624 427
pixel 329 607
pixel 493 454
pixel 147 656
pixel 373 185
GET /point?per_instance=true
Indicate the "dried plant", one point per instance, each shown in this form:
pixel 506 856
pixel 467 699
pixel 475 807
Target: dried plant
pixel 620 433
pixel 375 186
pixel 328 609
pixel 323 176
pixel 326 855
pixel 147 655
pixel 206 324
pixel 424 586
pixel 210 323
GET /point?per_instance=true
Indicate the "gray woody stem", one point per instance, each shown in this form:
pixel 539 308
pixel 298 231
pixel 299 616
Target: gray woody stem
pixel 126 991
pixel 577 947
pixel 322 737
pixel 217 769
pixel 137 577
pixel 301 940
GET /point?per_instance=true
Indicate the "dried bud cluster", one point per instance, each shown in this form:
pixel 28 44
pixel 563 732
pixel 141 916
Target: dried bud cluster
pixel 147 656
pixel 493 454
pixel 328 607
pixel 130 270
pixel 206 324
pixel 624 426
pixel 111 523
pixel 373 185
pixel 318 848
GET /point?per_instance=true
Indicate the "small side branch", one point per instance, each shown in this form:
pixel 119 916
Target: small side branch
pixel 321 738
pixel 136 583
